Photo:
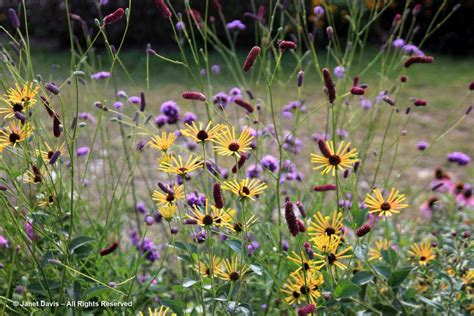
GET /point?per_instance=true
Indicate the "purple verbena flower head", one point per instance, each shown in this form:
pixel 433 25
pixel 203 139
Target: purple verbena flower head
pixel 422 145
pixel 200 236
pixel 189 117
pixel 161 120
pixel 180 26
pixel 82 151
pixel 460 158
pixel 86 116
pixel 253 171
pixel 134 99
pixel 140 207
pixel 216 69
pixel 236 25
pixel 398 43
pixel 121 94
pixel 170 109
pixel 101 75
pixel 339 72
pixel 196 198
pixel 221 99
pixel 3 242
pixel 270 163
pixel 411 49
pixel 365 103
pixel 318 11
pixel 118 105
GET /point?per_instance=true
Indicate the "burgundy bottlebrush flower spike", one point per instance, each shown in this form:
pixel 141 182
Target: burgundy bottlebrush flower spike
pixel 363 230
pixel 418 60
pixel 244 104
pixel 56 125
pixel 109 249
pixel 291 220
pixel 193 95
pixel 306 310
pixel 284 45
pixel 325 187
pixel 329 85
pixel 114 17
pixel 324 148
pixel 300 207
pixel 217 194
pixel 239 164
pixel 251 57
pixel 420 102
pixel 165 11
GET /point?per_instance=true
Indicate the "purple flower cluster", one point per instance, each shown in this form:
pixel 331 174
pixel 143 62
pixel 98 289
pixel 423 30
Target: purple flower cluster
pixel 220 99
pixel 253 171
pixel 189 118
pixel 270 163
pixel 101 75
pixel 289 172
pixel 171 110
pixel 460 158
pixel 146 247
pixel 339 72
pixel 293 106
pixel 236 25
pixel 292 144
pixel 196 198
pixel 3 242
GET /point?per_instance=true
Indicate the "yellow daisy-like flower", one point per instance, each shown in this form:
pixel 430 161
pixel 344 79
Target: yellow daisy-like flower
pixel 231 270
pixel 240 227
pixel 176 165
pixel 329 252
pixel 468 277
pixel 302 261
pixel 47 154
pixel 423 253
pixel 227 144
pixel 170 197
pixel 209 268
pixel 199 133
pixel 168 211
pixel 392 205
pixel 246 189
pixel 376 253
pixel 34 176
pixel 324 225
pixel 163 142
pixel 214 217
pixel 13 135
pixel 47 201
pixel 161 312
pixel 333 160
pixel 302 286
pixel 20 98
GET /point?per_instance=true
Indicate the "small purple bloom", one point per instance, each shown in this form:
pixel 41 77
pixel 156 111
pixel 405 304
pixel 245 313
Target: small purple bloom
pixel 180 26
pixel 236 25
pixel 3 242
pixel 121 94
pixel 365 103
pixel 318 11
pixel 422 145
pixel 460 158
pixel 253 171
pixel 82 151
pixel 170 109
pixel 189 117
pixel 118 105
pixel 221 99
pixel 339 72
pixel 196 198
pixel 149 220
pixel 216 69
pixel 140 207
pixel 161 120
pixel 398 43
pixel 270 163
pixel 284 245
pixel 134 99
pixel 411 49
pixel 200 236
pixel 101 75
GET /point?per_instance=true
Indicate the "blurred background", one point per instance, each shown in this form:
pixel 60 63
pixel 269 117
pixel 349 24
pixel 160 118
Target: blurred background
pixel 48 24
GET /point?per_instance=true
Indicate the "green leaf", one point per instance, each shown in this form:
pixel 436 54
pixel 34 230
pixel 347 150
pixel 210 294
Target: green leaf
pixel 346 289
pixel 390 256
pixel 78 242
pixel 258 270
pixel 386 310
pixel 362 277
pixel 361 252
pixel 188 283
pixel 397 277
pixel 235 245
pixel 382 270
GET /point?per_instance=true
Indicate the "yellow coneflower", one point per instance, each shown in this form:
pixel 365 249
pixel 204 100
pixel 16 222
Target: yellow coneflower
pixel 324 225
pixel 240 227
pixel 199 133
pixel 468 277
pixel 168 211
pixel 168 198
pixel 227 144
pixel 302 287
pixel 328 246
pixel 47 154
pixel 231 270
pixel 333 160
pixel 213 217
pixel 163 142
pixel 246 189
pixel 161 312
pixel 302 261
pixel 392 205
pixel 423 253
pixel 21 98
pixel 47 201
pixel 376 253
pixel 34 176
pixel 177 166
pixel 209 268
pixel 13 135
